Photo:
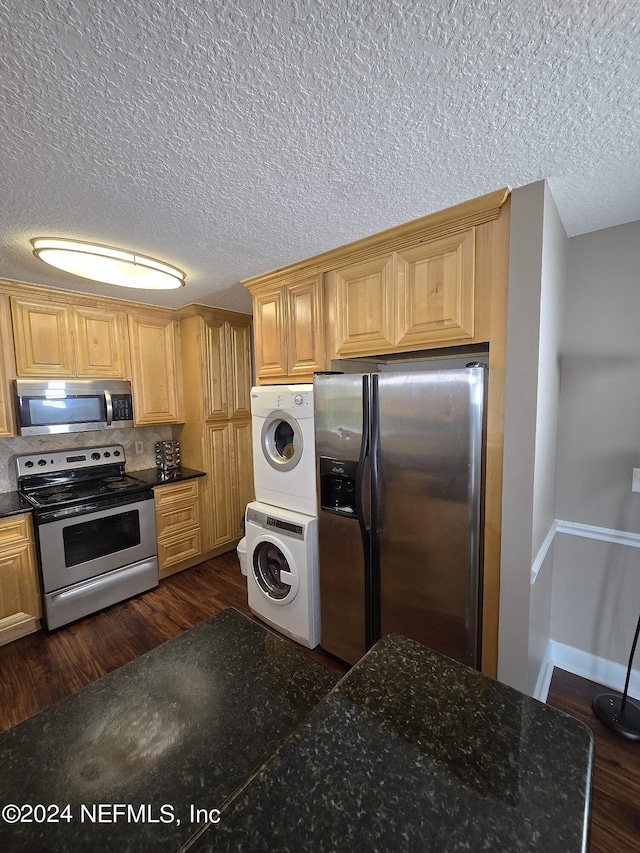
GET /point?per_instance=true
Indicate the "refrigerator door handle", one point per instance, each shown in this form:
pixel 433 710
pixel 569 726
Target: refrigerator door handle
pixel 375 612
pixel 365 527
pixel 362 461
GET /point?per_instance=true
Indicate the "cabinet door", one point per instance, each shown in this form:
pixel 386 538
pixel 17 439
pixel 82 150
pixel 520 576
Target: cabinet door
pixel 20 607
pixel 364 297
pixel 305 327
pixel 436 291
pixel 7 369
pixel 100 343
pixel 270 336
pixel 216 402
pixel 177 524
pixel 220 516
pixel 43 337
pixel 242 472
pixel 239 340
pixel 154 374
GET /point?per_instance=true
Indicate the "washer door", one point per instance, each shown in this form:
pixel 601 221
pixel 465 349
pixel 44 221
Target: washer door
pixel 272 572
pixel 281 441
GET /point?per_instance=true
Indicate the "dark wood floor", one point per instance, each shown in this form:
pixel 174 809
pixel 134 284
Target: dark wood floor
pixel 38 670
pixel 615 810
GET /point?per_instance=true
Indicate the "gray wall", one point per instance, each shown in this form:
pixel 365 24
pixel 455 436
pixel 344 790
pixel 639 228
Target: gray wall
pixel 537 274
pixel 596 583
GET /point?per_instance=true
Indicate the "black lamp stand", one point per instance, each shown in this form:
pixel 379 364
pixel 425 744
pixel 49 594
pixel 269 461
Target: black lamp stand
pixel 615 711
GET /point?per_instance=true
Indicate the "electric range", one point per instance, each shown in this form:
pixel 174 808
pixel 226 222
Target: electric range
pixel 95 529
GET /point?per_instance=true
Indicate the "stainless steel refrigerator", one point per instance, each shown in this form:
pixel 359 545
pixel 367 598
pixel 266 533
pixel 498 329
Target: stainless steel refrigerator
pixel 400 459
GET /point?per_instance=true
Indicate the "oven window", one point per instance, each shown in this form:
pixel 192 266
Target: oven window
pixel 90 540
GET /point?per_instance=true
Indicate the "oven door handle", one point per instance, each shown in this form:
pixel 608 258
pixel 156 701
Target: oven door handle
pixel 109 404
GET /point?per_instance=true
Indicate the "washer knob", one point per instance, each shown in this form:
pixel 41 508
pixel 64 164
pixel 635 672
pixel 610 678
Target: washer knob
pixel 298 399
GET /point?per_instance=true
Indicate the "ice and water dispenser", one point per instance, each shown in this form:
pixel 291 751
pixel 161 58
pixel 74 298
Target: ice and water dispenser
pixel 338 486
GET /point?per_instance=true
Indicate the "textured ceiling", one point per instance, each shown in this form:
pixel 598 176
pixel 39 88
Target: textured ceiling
pixel 230 138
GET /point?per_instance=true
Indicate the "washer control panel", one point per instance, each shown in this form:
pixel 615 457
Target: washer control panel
pixel 271 522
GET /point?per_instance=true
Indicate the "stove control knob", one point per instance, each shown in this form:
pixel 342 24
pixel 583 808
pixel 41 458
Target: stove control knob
pixel 95 455
pixel 116 453
pixel 106 453
pixel 42 462
pixel 28 464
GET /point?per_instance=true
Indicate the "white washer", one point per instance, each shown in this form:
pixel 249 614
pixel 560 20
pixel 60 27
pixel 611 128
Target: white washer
pixel 284 463
pixel 282 571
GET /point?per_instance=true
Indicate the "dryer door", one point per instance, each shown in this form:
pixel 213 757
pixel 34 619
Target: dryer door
pixel 281 441
pixel 273 572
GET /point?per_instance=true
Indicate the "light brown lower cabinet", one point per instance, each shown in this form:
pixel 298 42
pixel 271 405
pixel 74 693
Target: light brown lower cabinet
pixel 20 601
pixel 177 507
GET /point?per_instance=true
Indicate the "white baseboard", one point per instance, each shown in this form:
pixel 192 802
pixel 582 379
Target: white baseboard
pixel 578 662
pixel 544 676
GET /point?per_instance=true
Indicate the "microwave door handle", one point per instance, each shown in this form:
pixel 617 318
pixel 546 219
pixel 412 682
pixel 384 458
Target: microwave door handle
pixel 109 404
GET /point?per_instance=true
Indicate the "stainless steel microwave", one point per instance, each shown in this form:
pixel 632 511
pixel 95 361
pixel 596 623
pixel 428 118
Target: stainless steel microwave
pixel 47 406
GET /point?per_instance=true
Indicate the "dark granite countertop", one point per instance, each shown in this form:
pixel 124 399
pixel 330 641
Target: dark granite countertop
pixel 12 503
pixel 415 752
pixel 155 477
pixel 184 725
pixel 410 751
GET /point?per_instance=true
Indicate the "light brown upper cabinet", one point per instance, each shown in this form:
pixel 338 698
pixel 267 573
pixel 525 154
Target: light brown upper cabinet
pixel 226 357
pixel 155 376
pixel 59 340
pixel 100 342
pixel 43 338
pixel 289 330
pixel 410 299
pixel 239 371
pixel 364 301
pixel 435 291
pixel 7 369
pixel 216 435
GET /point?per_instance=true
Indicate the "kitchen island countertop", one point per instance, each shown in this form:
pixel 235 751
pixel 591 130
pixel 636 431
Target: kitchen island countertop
pixel 412 751
pixel 184 725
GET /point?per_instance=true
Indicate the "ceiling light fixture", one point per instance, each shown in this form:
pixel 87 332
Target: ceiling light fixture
pixel 107 264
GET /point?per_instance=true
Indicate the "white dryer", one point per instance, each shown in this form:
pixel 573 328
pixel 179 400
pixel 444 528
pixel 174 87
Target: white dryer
pixel 282 571
pixel 284 463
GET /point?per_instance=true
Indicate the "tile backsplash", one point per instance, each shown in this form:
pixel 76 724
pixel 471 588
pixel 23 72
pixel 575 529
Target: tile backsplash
pixel 14 446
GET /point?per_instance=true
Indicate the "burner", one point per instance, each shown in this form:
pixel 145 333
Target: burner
pixel 61 493
pixel 118 483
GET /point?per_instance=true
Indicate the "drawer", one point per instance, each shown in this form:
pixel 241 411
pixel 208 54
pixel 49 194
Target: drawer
pixel 172 520
pixel 178 548
pixel 175 492
pixel 14 529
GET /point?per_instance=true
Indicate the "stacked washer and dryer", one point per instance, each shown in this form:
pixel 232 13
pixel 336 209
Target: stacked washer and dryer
pixel 281 524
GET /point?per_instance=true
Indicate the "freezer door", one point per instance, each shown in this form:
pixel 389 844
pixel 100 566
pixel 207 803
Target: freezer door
pixel 338 404
pixel 430 461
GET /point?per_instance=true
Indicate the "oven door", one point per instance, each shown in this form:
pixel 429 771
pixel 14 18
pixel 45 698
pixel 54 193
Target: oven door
pixel 90 544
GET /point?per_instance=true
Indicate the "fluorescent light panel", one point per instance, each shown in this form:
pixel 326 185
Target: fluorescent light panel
pixel 107 264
